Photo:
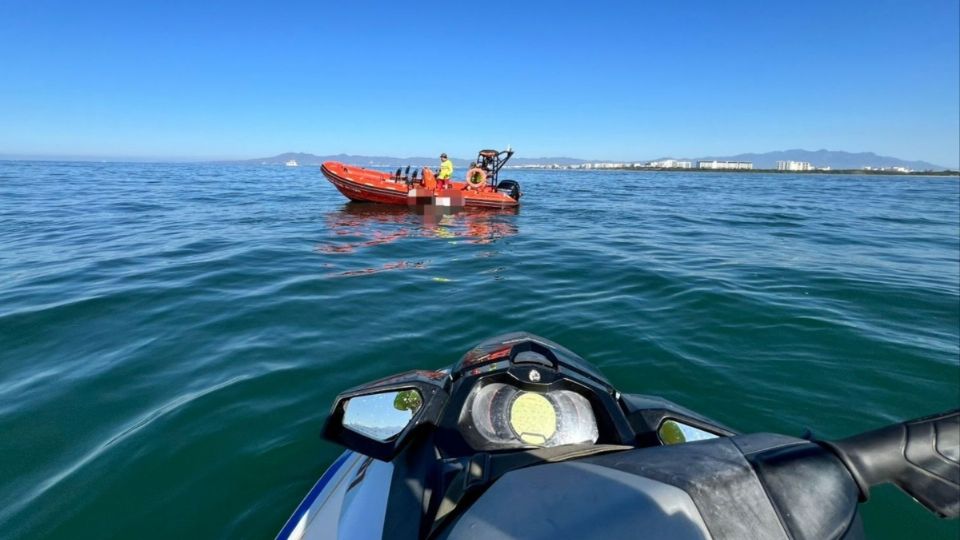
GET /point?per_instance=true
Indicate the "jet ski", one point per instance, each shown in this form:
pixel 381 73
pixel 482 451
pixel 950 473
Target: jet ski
pixel 522 438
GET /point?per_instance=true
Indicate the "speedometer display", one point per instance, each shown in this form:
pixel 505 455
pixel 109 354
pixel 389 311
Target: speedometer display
pixel 533 418
pixel 500 416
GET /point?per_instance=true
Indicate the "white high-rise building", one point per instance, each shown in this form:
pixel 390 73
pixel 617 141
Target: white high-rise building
pixel 671 164
pixel 795 166
pixel 733 165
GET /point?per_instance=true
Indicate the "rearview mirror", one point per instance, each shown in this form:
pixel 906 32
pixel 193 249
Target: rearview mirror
pixel 377 419
pixel 674 432
pixel 381 416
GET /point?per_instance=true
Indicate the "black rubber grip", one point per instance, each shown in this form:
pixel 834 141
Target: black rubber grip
pixel 921 456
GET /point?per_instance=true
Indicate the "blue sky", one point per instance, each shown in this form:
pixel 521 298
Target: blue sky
pixel 599 80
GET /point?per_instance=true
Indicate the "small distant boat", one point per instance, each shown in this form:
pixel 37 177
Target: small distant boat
pixel 293 163
pixel 401 188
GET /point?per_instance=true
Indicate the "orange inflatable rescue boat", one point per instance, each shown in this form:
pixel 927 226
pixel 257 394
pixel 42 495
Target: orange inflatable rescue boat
pixel 483 187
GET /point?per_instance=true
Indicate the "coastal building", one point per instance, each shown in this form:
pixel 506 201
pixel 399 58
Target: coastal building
pixel 727 165
pixel 795 166
pixel 888 169
pixel 605 165
pixel 670 164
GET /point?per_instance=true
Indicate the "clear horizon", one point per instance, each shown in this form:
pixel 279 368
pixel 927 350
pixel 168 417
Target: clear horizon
pixel 618 82
pixel 175 159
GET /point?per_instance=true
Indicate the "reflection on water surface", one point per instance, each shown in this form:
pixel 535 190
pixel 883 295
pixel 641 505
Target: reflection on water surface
pixel 355 227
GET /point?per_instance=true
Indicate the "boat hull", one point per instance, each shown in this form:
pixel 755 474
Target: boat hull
pixel 365 185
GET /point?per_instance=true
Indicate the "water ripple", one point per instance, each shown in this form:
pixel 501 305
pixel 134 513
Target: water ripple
pixel 174 334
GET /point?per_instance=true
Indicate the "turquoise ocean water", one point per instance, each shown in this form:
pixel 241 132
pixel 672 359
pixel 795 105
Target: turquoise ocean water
pixel 171 336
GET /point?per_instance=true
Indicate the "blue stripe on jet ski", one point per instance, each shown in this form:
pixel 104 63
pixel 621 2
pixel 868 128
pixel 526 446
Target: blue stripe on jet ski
pixel 312 496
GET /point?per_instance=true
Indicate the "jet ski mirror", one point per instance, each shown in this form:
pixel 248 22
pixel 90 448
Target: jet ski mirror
pixel 381 416
pixel 378 419
pixel 675 432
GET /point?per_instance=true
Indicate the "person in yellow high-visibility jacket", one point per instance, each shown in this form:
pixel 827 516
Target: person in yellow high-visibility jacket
pixel 446 170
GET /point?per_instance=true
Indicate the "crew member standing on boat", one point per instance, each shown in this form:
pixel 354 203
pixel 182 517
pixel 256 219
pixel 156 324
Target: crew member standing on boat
pixel 446 171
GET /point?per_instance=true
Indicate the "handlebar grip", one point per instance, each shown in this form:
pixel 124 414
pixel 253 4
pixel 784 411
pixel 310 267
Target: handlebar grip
pixel 922 457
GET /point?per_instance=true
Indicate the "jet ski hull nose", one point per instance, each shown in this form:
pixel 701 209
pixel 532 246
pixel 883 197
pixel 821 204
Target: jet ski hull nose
pixel 325 511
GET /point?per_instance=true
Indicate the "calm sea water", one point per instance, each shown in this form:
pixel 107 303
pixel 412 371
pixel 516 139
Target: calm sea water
pixel 171 336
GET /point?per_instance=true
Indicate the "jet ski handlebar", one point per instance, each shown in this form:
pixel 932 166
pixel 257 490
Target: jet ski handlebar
pixel 919 456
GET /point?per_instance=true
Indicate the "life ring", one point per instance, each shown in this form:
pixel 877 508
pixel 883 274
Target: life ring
pixel 476 178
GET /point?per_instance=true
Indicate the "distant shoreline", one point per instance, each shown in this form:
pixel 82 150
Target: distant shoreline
pixel 852 172
pixel 507 170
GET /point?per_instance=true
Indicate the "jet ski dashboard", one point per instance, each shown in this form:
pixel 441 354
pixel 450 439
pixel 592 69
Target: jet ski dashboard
pixel 523 438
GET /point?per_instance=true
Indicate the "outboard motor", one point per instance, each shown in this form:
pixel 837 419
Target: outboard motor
pixel 397 175
pixel 511 188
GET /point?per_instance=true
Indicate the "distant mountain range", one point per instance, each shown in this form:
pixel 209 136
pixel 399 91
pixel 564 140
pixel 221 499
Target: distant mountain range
pixel 820 158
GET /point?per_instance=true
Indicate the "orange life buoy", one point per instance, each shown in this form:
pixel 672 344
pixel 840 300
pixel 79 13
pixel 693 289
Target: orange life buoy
pixel 476 178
